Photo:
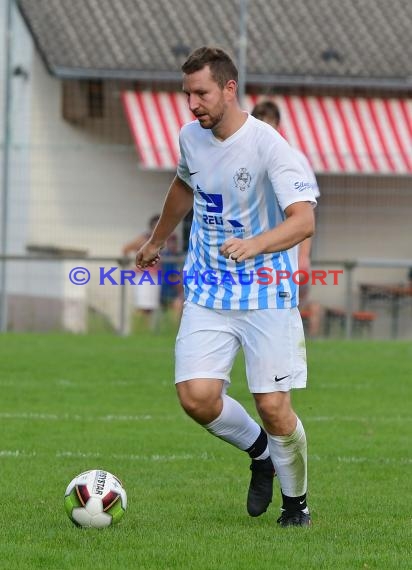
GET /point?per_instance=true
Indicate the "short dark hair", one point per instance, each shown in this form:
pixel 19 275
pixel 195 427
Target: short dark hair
pixel 220 64
pixel 267 110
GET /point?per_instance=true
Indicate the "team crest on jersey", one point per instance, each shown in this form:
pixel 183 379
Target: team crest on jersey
pixel 242 179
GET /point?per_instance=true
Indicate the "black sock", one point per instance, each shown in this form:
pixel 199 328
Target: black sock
pixel 259 446
pixel 293 504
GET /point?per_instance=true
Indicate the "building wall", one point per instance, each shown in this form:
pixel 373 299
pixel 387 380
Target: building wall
pixel 72 185
pixel 76 183
pixel 15 193
pixel 84 192
pixel 86 189
pixel 362 217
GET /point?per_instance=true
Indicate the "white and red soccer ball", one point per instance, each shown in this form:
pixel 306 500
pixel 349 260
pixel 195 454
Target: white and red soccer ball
pixel 96 499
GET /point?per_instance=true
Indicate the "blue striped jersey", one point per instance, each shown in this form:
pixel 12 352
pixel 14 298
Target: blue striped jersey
pixel 241 188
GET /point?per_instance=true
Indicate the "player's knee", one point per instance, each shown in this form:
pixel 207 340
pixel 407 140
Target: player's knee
pixel 269 410
pixel 276 412
pixel 200 406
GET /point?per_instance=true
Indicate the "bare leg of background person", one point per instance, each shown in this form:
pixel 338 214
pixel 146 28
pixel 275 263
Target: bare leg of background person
pixel 315 319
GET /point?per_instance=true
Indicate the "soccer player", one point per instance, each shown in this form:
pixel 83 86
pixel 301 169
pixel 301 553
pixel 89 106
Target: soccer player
pixel 269 112
pixel 252 205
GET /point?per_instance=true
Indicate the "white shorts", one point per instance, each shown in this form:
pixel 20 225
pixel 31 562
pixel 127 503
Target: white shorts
pixel 146 296
pixel 273 343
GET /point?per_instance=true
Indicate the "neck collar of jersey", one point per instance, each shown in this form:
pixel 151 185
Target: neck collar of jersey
pixel 233 137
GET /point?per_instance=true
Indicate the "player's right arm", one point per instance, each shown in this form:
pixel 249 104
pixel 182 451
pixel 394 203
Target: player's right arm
pixel 178 203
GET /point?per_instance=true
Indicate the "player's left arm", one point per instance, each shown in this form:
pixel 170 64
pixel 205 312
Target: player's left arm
pixel 298 226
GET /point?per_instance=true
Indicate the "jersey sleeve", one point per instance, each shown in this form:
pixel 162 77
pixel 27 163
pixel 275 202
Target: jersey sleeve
pixel 182 168
pixel 315 186
pixel 289 179
pixel 309 171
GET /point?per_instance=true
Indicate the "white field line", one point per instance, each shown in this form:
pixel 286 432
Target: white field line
pixel 37 416
pixel 135 457
pixel 360 459
pixel 360 419
pixel 16 453
pixel 64 383
pixel 22 454
pixel 73 417
pixel 341 386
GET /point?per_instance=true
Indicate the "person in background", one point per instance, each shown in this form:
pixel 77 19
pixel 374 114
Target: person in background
pixel 171 296
pixel 269 112
pixel 146 295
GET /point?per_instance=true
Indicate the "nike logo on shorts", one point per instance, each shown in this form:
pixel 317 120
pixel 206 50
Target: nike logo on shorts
pixel 281 378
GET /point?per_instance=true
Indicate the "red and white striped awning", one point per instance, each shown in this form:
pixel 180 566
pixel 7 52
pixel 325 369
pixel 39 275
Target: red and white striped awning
pixel 337 134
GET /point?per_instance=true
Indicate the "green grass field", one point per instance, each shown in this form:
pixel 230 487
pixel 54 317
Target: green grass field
pixel 71 403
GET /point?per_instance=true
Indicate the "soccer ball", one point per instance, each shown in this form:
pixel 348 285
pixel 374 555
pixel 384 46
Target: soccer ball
pixel 95 499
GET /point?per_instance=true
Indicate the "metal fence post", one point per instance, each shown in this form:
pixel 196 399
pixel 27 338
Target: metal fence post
pixel 349 266
pixel 6 167
pixel 123 320
pixel 243 18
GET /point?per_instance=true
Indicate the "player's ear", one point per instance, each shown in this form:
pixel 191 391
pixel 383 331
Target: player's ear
pixel 231 88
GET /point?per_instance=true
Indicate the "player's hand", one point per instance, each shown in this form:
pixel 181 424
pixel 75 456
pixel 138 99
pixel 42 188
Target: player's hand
pixel 147 256
pixel 240 249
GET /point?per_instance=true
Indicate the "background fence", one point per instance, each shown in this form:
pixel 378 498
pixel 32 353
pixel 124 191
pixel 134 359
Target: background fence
pixel 72 182
pixel 88 294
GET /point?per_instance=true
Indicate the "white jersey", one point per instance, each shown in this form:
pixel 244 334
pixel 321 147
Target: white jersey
pixel 308 170
pixel 241 187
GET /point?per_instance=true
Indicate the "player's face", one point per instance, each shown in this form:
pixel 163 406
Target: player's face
pixel 207 101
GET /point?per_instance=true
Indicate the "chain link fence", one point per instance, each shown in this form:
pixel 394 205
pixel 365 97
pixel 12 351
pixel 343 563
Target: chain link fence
pixel 73 192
